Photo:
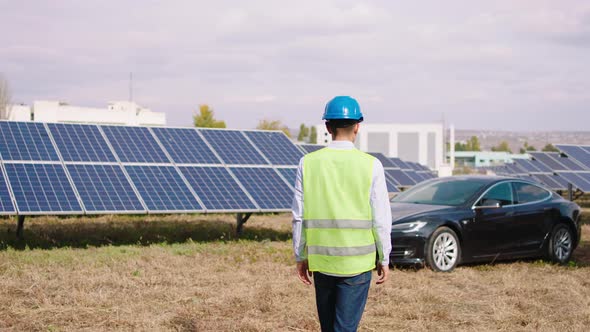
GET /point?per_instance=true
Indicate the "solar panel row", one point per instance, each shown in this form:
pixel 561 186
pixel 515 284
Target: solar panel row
pixel 118 169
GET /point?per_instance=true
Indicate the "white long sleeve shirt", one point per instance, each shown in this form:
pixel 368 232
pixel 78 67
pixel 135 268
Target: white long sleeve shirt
pixel 380 205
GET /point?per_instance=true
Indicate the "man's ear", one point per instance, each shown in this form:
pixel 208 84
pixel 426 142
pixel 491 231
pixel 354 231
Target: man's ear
pixel 328 128
pixel 356 128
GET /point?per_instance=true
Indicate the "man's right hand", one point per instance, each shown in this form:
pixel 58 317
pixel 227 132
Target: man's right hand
pixel 383 273
pixel 303 272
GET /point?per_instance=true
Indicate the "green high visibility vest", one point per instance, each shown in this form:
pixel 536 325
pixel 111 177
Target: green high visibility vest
pixel 337 214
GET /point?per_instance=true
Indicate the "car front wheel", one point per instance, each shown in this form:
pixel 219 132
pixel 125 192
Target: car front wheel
pixel 444 250
pixel 561 244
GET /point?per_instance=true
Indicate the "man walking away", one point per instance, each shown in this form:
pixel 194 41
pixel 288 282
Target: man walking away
pixel 341 220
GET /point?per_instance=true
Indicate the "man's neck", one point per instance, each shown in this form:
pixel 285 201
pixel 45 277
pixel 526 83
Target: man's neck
pixel 342 139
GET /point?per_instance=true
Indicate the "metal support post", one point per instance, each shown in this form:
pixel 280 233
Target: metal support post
pixel 570 192
pixel 241 219
pixel 20 227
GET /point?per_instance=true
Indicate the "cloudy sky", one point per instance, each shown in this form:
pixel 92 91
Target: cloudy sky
pixel 514 65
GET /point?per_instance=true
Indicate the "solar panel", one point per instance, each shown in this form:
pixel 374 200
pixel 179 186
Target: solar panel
pixel 386 162
pixel 526 165
pixel 42 188
pixel 400 177
pixel 185 146
pixel 233 147
pixel 312 147
pixel 276 147
pixel 104 188
pixel 563 183
pixel 391 185
pixel 514 169
pixel 134 144
pixel 217 189
pixel 414 176
pixel 414 166
pixel 162 189
pixel 548 181
pixel 400 163
pixel 576 180
pixel 266 187
pixel 545 158
pixel 25 141
pixel 290 174
pixel 576 152
pixel 6 206
pixel 80 142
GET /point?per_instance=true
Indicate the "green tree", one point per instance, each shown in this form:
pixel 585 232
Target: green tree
pixel 303 133
pixel 526 148
pixel 550 148
pixel 502 147
pixel 472 144
pixel 206 118
pixel 273 125
pixel 313 135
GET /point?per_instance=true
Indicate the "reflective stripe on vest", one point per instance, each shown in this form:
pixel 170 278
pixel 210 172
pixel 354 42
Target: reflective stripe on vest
pixel 337 214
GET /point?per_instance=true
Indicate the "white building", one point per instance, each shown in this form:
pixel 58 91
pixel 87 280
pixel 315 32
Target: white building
pixel 421 143
pixel 120 112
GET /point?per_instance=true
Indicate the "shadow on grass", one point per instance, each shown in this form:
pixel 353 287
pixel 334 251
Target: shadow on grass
pixel 85 232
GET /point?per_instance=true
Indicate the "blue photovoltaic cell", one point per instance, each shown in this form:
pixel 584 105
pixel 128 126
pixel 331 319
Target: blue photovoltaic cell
pixel 104 188
pixel 25 141
pixel 545 158
pixel 391 186
pixel 162 188
pixel 80 142
pixel 217 189
pixel 540 166
pixel 414 176
pixel 414 166
pixel 233 147
pixel 134 144
pixel 386 162
pixel 6 205
pixel 42 188
pixel 526 165
pixel 576 152
pixel 276 147
pixel 290 174
pixel 312 147
pixel 547 180
pixel 576 181
pixel 400 163
pixel 266 187
pixel 185 146
pixel 515 169
pixel 400 177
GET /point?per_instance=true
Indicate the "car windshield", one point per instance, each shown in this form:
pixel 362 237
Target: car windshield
pixel 449 192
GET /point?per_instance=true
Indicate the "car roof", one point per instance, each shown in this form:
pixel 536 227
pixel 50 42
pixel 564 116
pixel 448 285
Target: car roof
pixel 483 178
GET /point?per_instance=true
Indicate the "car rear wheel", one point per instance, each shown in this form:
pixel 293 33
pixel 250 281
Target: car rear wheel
pixel 561 244
pixel 444 250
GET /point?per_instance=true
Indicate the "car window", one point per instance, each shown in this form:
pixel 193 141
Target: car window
pixel 500 193
pixel 445 192
pixel 526 193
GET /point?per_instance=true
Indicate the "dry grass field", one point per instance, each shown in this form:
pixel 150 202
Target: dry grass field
pixel 189 273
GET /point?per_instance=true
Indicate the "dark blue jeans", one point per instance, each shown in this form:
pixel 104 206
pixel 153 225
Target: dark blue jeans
pixel 341 300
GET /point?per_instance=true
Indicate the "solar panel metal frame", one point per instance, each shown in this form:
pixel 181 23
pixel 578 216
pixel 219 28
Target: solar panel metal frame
pixel 197 132
pixel 261 151
pixel 47 212
pixel 10 192
pixel 144 209
pixel 584 150
pixel 239 132
pixel 46 131
pixel 99 130
pixel 274 169
pixel 579 180
pixel 207 210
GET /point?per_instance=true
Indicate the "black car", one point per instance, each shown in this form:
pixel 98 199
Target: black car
pixel 447 221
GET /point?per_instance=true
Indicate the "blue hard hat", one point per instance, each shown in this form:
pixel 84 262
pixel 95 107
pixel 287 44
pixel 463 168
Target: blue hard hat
pixel 343 108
